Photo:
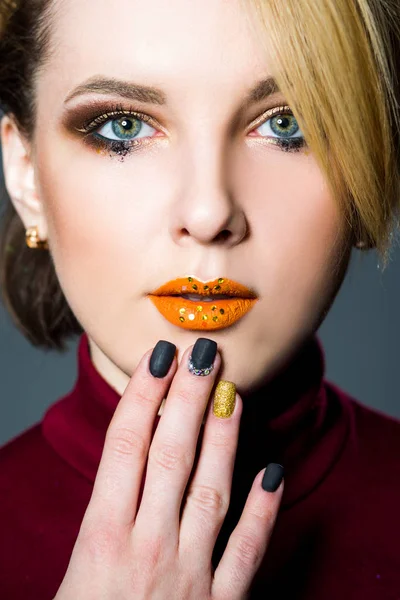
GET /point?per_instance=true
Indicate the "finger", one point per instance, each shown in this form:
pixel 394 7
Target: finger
pixel 116 488
pixel 208 495
pixel 248 542
pixel 173 450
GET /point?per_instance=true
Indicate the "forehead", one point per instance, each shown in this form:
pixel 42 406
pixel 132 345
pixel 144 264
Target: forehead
pixel 182 43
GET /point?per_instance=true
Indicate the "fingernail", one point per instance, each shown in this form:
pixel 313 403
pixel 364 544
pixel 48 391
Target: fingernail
pixel 201 361
pixel 224 399
pixel 161 358
pixel 272 477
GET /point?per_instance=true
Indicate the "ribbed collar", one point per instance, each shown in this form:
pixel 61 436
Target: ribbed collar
pixel 297 419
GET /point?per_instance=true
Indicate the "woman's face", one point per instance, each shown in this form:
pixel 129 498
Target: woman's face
pixel 204 193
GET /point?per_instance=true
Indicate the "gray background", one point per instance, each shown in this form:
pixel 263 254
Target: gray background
pixel 359 335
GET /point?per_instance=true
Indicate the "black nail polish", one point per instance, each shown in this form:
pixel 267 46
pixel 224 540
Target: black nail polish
pixel 272 477
pixel 161 358
pixel 203 355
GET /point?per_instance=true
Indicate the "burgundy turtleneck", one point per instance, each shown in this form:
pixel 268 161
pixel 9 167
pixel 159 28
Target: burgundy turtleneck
pixel 337 533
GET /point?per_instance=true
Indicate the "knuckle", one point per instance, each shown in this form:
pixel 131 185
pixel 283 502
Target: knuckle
pixel 100 542
pixel 208 499
pixel 262 511
pixel 125 442
pixel 167 457
pixel 142 397
pixel 185 396
pixel 247 549
pixel 219 439
pixel 152 551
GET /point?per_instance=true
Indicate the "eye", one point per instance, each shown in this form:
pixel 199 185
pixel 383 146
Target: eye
pixel 283 125
pixel 279 129
pixel 124 129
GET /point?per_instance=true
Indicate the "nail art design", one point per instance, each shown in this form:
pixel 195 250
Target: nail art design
pixel 201 361
pixel 224 399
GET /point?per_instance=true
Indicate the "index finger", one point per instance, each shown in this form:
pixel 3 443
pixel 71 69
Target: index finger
pixel 127 442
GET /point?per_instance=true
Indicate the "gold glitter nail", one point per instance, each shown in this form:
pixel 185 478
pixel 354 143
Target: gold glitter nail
pixel 224 399
pixel 220 280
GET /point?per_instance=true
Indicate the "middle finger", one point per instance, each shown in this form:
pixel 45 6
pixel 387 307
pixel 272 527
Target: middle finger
pixel 173 447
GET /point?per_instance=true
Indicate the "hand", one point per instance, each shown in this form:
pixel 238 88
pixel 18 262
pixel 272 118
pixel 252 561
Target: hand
pixel 159 548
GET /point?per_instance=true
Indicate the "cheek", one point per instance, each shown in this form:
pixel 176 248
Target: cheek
pixel 88 195
pixel 298 230
pixel 100 216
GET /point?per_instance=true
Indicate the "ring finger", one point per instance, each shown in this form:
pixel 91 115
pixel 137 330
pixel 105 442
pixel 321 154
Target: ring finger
pixel 208 496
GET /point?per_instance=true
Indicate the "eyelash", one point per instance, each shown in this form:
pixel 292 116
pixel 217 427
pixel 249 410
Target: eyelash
pixel 121 147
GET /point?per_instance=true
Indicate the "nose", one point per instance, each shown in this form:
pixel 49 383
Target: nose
pixel 207 212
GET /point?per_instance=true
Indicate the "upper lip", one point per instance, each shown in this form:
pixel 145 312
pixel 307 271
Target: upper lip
pixel 222 286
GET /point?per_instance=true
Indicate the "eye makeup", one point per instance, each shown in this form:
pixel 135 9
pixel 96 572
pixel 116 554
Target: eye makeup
pixel 280 116
pixel 88 120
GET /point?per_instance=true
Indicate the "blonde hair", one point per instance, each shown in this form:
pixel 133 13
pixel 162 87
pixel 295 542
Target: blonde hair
pixel 336 62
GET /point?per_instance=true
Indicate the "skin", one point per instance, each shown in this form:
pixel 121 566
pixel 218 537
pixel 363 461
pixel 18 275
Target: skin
pixel 118 227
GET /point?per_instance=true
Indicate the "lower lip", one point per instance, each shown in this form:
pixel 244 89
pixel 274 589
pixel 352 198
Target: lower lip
pixel 198 315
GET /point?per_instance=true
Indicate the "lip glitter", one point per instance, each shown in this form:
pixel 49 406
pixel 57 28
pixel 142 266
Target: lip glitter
pixel 203 315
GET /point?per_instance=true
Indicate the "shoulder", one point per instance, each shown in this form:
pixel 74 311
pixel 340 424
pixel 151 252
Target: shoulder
pixel 371 419
pixel 370 457
pixel 30 467
pixel 370 427
pixel 38 488
pixel 43 500
pixel 26 462
pixel 21 451
pixel 360 497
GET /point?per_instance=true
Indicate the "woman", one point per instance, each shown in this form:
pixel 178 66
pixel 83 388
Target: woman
pixel 186 182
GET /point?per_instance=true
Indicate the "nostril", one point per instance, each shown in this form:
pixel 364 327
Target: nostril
pixel 223 235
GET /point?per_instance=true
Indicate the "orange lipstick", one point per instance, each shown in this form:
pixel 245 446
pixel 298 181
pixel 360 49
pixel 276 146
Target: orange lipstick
pixel 214 312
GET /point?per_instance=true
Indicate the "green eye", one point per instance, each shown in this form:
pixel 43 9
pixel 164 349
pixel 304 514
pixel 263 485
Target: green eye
pixel 285 125
pixel 125 128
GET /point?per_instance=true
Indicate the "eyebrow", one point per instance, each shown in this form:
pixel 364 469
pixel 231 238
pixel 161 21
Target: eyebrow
pixel 151 95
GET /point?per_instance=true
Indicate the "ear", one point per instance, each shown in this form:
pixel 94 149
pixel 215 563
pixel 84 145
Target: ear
pixel 19 176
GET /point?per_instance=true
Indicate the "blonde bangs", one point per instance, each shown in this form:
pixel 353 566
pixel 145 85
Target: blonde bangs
pixel 336 63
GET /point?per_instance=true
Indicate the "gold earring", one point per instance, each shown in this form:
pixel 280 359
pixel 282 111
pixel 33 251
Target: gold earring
pixel 32 239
